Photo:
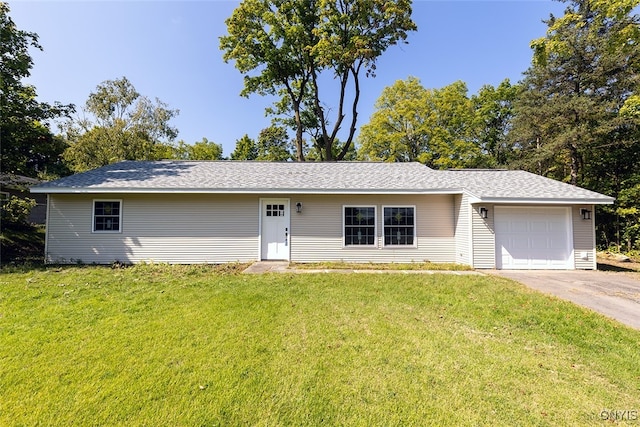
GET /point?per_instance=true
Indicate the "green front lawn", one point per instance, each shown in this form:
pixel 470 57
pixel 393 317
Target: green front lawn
pixel 194 346
pixel 330 265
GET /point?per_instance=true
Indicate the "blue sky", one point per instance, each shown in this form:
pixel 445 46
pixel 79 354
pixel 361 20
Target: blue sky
pixel 169 50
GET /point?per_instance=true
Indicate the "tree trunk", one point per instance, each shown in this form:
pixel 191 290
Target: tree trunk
pixel 354 114
pixel 574 160
pixel 299 142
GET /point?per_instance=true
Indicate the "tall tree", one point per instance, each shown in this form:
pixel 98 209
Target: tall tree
pixel 291 43
pixel 201 150
pixel 398 130
pixel 245 149
pixel 273 144
pixel 432 126
pixel 575 119
pixel 583 73
pixel 27 145
pixel 122 125
pixel 494 115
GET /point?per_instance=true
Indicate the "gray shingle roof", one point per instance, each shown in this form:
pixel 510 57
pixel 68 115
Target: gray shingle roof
pixel 499 185
pixel 339 177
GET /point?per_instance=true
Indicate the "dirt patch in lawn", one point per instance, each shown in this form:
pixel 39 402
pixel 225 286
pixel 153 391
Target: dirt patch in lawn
pixel 613 262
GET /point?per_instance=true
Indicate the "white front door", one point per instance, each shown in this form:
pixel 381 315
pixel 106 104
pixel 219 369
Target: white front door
pixel 274 229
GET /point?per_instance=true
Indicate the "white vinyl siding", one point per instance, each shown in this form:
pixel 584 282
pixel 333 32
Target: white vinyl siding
pixel 209 228
pixel 205 228
pixel 483 237
pixel 462 217
pixel 170 228
pixel 317 232
pixel 584 240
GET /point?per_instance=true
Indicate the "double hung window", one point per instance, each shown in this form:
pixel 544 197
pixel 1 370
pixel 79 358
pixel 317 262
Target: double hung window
pixel 398 229
pixel 107 216
pixel 399 226
pixel 359 225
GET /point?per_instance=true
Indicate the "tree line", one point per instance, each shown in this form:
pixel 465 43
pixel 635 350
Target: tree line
pixel 574 116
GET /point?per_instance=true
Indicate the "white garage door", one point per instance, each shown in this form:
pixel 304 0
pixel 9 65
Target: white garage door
pixel 533 238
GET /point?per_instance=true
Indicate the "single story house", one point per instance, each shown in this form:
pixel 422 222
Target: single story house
pixel 228 211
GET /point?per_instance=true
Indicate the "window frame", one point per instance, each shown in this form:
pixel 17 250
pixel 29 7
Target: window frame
pixel 93 216
pixel 415 227
pixel 375 227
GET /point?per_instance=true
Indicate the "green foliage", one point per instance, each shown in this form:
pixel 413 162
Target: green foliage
pixel 493 118
pixel 20 241
pixel 271 38
pixel 273 144
pixel 631 107
pixel 586 15
pixel 201 150
pixel 282 47
pixel 16 210
pixel 188 346
pixel 205 150
pixel 28 146
pixel 398 129
pixel 436 127
pixel 246 149
pixel 628 210
pixel 125 126
pixel 577 118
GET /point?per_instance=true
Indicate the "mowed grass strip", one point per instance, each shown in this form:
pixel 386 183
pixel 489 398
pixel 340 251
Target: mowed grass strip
pixel 331 265
pixel 190 346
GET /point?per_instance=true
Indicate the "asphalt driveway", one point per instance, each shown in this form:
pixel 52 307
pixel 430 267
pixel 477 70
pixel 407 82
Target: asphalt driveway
pixel 614 294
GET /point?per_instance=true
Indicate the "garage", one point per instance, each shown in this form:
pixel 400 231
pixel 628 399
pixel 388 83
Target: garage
pixel 532 238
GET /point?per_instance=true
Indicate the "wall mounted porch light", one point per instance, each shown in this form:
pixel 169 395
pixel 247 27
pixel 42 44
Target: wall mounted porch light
pixel 299 207
pixel 585 213
pixel 484 212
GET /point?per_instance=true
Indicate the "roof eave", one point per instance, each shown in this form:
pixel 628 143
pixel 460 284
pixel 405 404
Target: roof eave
pixel 546 200
pixel 94 190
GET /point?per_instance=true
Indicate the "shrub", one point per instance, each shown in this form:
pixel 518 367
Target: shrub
pixel 16 210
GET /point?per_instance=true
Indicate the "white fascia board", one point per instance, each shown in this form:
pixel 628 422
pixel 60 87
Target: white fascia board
pixel 93 190
pixel 544 201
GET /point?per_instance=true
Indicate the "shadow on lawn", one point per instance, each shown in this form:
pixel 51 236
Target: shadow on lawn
pixel 21 244
pixel 616 268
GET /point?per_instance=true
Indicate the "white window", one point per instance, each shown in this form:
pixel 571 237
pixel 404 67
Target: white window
pixel 107 216
pixel 399 226
pixel 359 225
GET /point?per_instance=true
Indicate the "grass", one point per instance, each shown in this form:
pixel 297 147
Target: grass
pixel 21 243
pixel 332 265
pixel 195 346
